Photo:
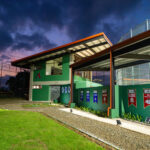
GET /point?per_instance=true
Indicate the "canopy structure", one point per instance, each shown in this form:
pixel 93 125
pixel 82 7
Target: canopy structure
pixel 130 52
pixel 82 48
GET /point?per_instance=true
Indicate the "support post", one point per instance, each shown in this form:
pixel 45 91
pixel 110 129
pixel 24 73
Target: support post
pixel 131 33
pixel 31 83
pixel 112 85
pixel 113 82
pixel 72 79
pixel 147 24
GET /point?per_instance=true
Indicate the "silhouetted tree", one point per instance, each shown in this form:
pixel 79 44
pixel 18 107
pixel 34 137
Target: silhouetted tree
pixel 19 85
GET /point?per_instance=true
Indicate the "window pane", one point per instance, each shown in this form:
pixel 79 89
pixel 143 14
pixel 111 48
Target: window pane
pixel 54 67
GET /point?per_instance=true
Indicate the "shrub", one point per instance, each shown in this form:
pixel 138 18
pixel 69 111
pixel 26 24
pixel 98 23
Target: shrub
pixel 96 112
pixel 132 117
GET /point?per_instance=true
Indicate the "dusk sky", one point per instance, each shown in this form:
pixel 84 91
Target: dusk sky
pixel 31 26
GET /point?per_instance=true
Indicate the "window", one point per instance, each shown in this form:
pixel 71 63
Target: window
pixel 54 67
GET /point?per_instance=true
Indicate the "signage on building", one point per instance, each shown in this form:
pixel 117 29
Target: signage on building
pixel 132 97
pixel 69 89
pixel 104 96
pixel 146 97
pixel 81 95
pixel 95 96
pixel 88 96
pixel 38 75
pixel 65 89
pixel 62 89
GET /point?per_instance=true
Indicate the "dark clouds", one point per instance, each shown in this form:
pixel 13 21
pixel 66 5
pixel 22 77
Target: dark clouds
pixel 29 42
pixel 5 39
pixel 80 17
pixel 86 15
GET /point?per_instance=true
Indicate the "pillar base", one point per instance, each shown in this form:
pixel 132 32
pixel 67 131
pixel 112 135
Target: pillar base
pixel 72 105
pixel 114 113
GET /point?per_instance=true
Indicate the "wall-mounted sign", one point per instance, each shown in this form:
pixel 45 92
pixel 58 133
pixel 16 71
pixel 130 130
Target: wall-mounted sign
pixel 69 89
pixel 146 97
pixel 88 96
pixel 38 75
pixel 95 96
pixel 104 96
pixel 132 97
pixel 81 95
pixel 65 89
pixel 62 89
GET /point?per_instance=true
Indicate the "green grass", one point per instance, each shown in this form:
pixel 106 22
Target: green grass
pixel 20 130
pixel 38 105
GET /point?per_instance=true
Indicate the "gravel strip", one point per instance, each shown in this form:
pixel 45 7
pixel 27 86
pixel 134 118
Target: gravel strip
pixel 114 134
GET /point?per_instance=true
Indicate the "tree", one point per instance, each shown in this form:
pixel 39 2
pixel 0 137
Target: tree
pixel 19 85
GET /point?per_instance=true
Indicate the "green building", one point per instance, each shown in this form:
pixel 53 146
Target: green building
pixel 65 74
pixel 50 72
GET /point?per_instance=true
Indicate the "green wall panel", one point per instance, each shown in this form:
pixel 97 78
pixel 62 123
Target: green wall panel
pixel 84 82
pixel 95 106
pixel 140 110
pixel 121 100
pixel 42 94
pixel 44 77
pixel 65 94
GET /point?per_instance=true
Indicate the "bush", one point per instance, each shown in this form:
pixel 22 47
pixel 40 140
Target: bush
pixel 96 112
pixel 131 116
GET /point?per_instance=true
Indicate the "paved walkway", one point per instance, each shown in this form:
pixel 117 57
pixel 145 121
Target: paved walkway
pixel 121 137
pixel 137 127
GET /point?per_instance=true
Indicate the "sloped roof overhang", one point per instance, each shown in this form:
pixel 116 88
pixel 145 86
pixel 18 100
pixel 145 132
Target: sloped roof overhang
pixel 83 48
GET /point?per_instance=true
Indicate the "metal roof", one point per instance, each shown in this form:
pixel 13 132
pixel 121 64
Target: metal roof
pixel 130 52
pixel 83 48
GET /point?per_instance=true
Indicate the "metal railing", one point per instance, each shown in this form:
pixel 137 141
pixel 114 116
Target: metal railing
pixel 145 26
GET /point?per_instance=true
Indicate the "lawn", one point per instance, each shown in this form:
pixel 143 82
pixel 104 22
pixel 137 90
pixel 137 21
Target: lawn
pixel 21 130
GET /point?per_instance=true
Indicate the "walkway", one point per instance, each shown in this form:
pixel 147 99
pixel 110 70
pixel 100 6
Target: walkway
pixel 137 127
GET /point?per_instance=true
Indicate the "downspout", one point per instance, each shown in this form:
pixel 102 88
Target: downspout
pixel 111 96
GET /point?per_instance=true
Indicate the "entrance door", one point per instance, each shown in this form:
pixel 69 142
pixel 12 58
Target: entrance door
pixel 55 92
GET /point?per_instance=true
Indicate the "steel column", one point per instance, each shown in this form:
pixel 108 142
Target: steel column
pixel 112 85
pixel 72 83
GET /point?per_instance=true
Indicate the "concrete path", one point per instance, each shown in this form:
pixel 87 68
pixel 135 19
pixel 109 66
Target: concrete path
pixel 137 127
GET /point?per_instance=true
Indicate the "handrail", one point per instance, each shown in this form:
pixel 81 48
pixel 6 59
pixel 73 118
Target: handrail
pixel 145 26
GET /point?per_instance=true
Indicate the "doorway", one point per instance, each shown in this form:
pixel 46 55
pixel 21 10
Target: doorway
pixel 55 92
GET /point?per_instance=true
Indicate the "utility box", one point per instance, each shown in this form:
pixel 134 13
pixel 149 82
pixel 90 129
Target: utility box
pixel 55 101
pixel 72 105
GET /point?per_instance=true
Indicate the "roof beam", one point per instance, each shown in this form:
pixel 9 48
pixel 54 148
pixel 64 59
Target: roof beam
pixel 71 52
pixel 130 48
pixel 88 47
pixel 59 55
pixel 131 64
pixel 94 69
pixel 136 56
